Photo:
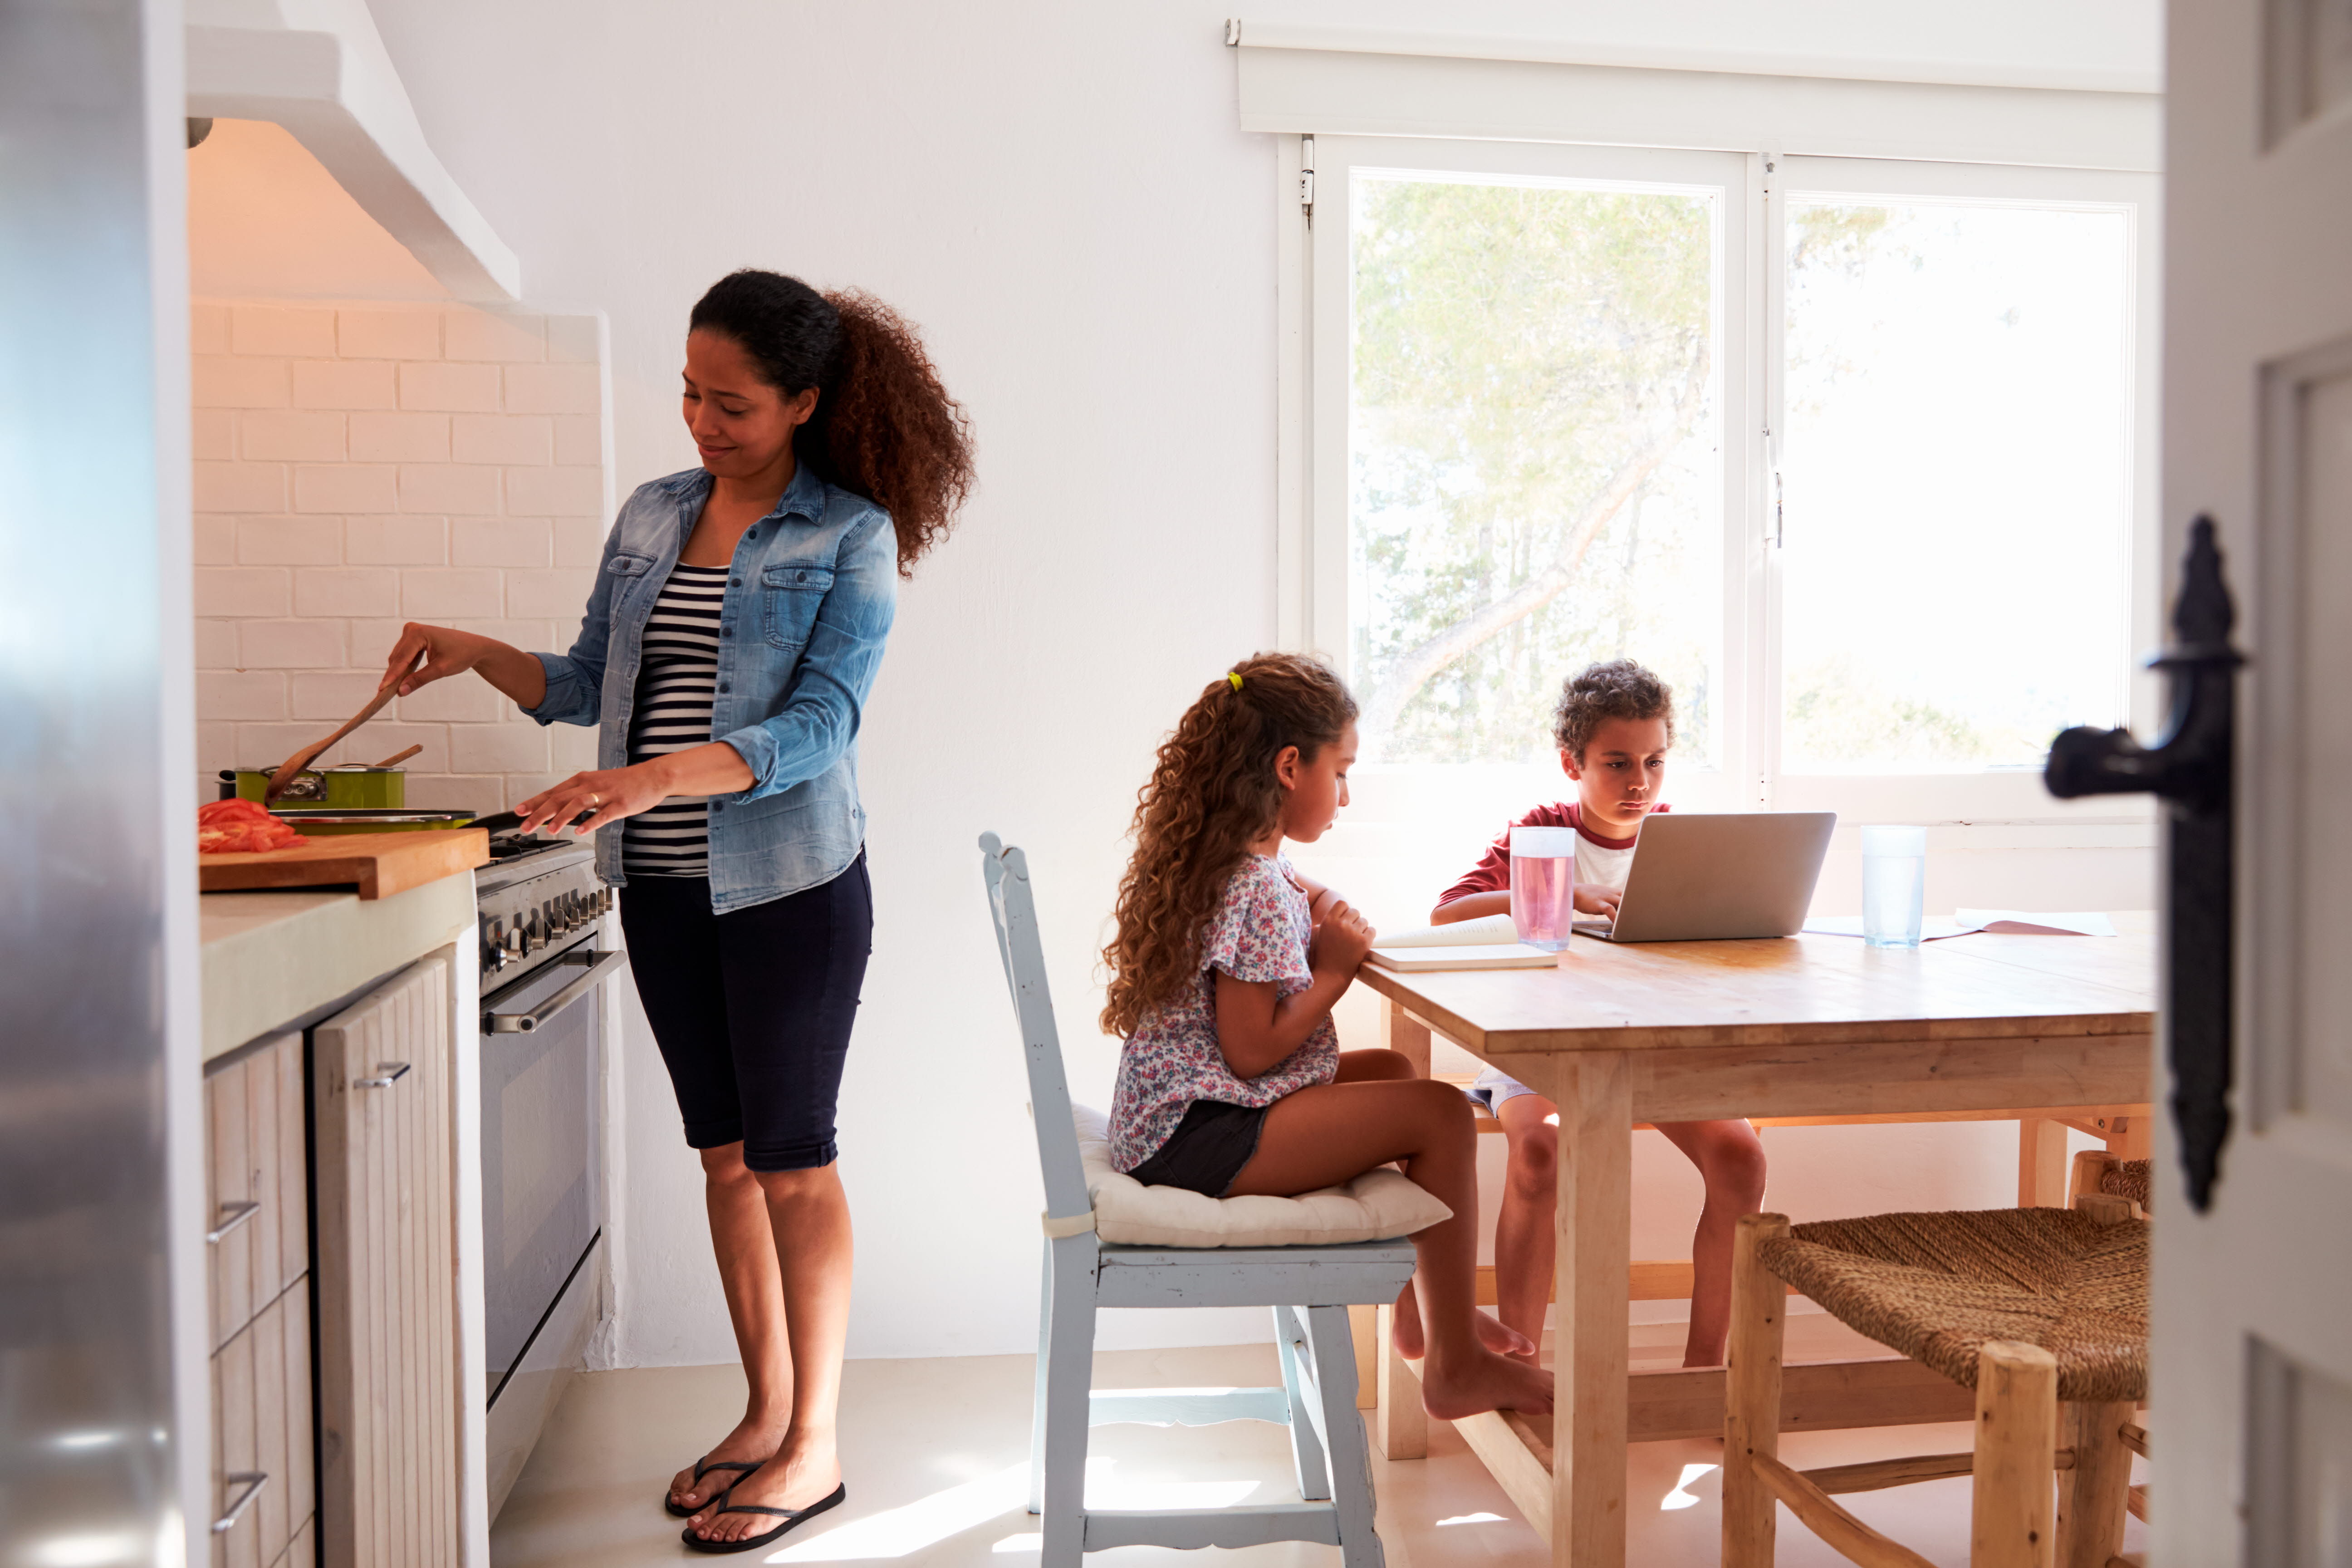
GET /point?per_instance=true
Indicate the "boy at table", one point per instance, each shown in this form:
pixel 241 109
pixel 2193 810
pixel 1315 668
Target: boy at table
pixel 1614 724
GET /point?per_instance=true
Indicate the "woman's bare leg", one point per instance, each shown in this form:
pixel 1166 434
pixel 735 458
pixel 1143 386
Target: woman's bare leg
pixel 746 1244
pixel 808 1213
pixel 1730 1158
pixel 1335 1131
pixel 1527 1238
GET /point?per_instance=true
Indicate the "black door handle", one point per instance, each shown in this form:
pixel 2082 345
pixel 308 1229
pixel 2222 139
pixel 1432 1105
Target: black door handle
pixel 2193 771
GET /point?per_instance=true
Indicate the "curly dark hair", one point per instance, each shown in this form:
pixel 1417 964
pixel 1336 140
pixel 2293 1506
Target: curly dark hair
pixel 884 427
pixel 1618 688
pixel 1212 794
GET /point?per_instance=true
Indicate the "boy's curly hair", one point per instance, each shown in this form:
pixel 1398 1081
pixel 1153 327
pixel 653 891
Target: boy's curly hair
pixel 1212 794
pixel 1618 688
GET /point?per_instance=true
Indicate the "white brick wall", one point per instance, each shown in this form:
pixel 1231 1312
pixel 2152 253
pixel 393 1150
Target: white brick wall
pixel 362 466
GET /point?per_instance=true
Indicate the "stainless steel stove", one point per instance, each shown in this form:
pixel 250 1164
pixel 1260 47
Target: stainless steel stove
pixel 546 948
pixel 535 894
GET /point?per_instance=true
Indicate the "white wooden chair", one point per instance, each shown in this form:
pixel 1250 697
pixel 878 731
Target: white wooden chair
pixel 1309 1287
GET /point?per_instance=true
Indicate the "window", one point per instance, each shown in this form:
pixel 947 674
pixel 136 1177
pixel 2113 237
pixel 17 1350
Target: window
pixel 1857 453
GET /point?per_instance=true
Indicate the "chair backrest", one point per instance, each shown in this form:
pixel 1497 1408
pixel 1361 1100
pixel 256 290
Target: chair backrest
pixel 1015 911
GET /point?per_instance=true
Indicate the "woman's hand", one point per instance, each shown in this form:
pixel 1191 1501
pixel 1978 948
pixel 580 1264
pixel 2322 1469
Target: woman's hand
pixel 594 798
pixel 1598 900
pixel 1342 937
pixel 608 795
pixel 448 651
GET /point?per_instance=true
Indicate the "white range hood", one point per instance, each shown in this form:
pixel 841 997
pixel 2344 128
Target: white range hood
pixel 318 68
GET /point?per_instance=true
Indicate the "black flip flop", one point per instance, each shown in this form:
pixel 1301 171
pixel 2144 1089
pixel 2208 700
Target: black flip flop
pixel 791 1516
pixel 703 1467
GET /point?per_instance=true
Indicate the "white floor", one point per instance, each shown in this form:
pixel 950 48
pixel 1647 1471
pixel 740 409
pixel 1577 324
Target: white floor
pixel 935 1453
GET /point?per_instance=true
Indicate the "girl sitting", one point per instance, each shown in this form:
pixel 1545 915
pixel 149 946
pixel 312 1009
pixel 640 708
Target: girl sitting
pixel 1223 973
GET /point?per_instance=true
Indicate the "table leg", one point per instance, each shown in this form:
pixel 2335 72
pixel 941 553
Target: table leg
pixel 1407 1036
pixel 2130 1137
pixel 1364 1331
pixel 2041 1164
pixel 1594 1093
pixel 1400 1424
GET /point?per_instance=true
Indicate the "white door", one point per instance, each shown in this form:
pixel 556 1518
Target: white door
pixel 2252 1395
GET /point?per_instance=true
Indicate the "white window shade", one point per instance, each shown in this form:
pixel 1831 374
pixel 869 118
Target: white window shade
pixel 1336 82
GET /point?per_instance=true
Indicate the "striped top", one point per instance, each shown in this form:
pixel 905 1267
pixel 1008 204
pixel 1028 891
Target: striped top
pixel 675 678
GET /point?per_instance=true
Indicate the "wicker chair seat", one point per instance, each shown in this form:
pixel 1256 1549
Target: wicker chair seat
pixel 2129 1179
pixel 1938 1286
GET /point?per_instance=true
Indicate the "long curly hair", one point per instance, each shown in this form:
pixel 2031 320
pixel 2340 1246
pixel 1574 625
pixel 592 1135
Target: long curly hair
pixel 885 425
pixel 1212 794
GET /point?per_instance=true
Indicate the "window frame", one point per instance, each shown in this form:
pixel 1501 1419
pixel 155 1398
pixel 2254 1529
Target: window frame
pixel 1314 553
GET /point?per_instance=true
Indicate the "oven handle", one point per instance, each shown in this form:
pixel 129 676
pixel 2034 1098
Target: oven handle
pixel 598 965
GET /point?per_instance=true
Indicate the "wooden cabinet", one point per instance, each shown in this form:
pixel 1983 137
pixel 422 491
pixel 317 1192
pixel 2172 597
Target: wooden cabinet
pixel 257 1180
pixel 350 1456
pixel 381 1080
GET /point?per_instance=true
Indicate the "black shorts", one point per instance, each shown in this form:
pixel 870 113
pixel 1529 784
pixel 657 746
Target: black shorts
pixel 1207 1150
pixel 753 1009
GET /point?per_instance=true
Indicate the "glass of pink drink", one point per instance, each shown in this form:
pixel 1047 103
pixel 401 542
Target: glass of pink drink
pixel 1543 885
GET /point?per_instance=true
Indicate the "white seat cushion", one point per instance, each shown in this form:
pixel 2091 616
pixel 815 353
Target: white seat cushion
pixel 1377 1206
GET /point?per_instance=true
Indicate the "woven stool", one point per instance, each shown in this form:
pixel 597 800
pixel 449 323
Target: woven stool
pixel 2032 1308
pixel 2096 1171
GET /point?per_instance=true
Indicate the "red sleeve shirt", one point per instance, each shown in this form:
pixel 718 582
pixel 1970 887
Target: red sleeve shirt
pixel 1492 874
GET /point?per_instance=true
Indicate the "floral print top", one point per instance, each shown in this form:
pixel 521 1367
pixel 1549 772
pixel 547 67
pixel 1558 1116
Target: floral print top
pixel 1260 931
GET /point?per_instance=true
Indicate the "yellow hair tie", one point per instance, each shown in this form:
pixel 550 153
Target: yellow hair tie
pixel 1236 679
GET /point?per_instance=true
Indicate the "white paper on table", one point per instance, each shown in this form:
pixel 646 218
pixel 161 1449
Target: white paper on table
pixel 1486 931
pixel 1934 928
pixel 2024 923
pixel 2001 923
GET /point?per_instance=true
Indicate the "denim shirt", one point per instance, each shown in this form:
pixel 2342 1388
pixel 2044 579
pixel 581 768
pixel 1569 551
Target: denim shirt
pixel 807 610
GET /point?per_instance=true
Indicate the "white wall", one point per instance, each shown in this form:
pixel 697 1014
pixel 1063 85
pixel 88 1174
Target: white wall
pixel 1058 194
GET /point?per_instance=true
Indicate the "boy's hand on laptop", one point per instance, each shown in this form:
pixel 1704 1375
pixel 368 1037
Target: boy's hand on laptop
pixel 1599 901
pixel 1342 937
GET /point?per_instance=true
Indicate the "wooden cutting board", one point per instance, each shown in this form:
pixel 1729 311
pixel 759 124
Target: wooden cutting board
pixel 378 864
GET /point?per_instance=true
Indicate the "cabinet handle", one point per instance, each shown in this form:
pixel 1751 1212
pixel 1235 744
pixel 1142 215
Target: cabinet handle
pixel 252 1481
pixel 393 1073
pixel 232 1216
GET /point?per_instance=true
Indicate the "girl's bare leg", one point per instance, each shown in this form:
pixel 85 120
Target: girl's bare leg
pixel 745 1244
pixel 1730 1157
pixel 1333 1131
pixel 808 1215
pixel 1527 1238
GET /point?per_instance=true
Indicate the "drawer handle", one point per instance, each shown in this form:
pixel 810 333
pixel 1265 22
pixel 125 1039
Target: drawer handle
pixel 393 1073
pixel 232 1216
pixel 252 1481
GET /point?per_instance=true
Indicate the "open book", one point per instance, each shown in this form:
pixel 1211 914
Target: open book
pixel 1491 942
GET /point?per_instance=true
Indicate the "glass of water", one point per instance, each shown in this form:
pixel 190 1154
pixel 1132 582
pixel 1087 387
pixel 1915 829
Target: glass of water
pixel 1894 885
pixel 1543 885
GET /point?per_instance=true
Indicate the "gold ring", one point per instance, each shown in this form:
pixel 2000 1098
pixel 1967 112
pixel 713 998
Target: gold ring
pixel 594 800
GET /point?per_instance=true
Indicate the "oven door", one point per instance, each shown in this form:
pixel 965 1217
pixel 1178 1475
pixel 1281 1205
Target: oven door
pixel 541 1174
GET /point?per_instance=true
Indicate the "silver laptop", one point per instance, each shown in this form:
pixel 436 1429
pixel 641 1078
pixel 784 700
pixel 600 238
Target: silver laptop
pixel 1705 876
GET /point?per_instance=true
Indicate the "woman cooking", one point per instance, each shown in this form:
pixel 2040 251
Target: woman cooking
pixel 732 635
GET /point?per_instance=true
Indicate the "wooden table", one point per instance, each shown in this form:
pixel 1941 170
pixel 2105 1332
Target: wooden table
pixel 2051 1030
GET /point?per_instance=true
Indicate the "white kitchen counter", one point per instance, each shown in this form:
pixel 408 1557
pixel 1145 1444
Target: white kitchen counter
pixel 271 957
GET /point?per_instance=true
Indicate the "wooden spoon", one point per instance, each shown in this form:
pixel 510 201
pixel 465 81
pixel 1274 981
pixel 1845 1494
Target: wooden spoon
pixel 294 764
pixel 398 757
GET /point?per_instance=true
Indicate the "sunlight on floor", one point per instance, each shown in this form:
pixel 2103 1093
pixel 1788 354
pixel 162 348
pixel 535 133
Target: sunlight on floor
pixel 1682 1496
pixel 904 1531
pixel 901 1532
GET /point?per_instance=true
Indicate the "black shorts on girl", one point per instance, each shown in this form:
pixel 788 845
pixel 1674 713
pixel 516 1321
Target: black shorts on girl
pixel 1208 1148
pixel 753 1009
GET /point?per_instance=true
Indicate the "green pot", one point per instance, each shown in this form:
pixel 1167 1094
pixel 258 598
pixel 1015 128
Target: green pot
pixel 316 822
pixel 351 788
